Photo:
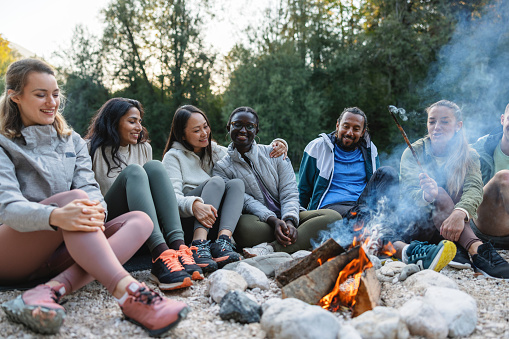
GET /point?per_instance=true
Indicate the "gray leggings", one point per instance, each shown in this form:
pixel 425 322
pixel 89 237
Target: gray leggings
pixel 227 198
pixel 147 189
pixel 252 231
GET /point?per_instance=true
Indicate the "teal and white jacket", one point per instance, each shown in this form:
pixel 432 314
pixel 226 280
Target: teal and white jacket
pixel 317 167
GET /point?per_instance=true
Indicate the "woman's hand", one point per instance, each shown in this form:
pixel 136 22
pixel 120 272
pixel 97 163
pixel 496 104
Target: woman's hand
pixel 281 231
pixel 205 214
pixel 278 149
pixel 79 215
pixel 453 226
pixel 292 231
pixel 429 187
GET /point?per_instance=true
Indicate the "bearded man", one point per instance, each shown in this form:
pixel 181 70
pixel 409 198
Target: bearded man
pixel 340 170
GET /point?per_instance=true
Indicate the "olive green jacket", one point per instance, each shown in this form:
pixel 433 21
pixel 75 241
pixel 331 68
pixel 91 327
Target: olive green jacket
pixel 471 196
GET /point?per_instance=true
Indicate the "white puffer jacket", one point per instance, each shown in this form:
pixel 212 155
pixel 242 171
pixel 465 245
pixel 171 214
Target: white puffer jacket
pixel 186 173
pixel 277 175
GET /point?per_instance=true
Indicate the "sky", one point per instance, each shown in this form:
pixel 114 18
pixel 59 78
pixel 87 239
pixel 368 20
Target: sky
pixel 45 26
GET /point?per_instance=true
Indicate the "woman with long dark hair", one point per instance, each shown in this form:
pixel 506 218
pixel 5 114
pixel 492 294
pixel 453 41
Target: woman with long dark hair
pixel 52 214
pixel 189 158
pixel 131 181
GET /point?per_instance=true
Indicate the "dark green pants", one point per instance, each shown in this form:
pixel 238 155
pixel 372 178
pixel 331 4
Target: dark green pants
pixel 252 231
pixel 147 189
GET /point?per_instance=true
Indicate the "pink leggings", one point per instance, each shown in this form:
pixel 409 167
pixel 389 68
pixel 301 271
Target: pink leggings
pixel 86 256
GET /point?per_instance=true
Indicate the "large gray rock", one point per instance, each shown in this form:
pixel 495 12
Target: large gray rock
pixel 420 281
pixel 407 271
pixel 253 276
pixel 458 309
pixel 381 323
pixel 291 318
pixel 424 320
pixel 348 332
pixel 266 263
pixel 224 281
pixel 238 306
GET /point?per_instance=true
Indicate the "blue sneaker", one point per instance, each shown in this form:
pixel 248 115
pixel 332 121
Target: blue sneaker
pixel 428 256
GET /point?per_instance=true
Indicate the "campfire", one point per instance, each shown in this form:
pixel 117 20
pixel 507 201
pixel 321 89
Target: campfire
pixel 337 279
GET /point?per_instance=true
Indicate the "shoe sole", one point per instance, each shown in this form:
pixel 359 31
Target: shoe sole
pixel 197 276
pixel 171 286
pixel 207 268
pixel 223 262
pixel 459 265
pixel 487 275
pixel 37 318
pixel 161 332
pixel 444 256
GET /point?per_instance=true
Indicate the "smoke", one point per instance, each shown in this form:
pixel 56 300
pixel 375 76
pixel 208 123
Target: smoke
pixel 473 69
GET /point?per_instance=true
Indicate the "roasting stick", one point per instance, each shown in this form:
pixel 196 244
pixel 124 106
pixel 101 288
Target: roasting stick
pixel 392 110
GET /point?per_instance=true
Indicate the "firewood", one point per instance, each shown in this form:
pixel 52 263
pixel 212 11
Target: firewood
pixel 319 282
pixel 320 255
pixel 368 295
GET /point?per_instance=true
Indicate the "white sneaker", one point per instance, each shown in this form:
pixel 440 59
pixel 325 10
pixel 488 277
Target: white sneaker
pixel 258 250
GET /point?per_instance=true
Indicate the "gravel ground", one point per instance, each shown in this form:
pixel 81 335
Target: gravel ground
pixel 92 312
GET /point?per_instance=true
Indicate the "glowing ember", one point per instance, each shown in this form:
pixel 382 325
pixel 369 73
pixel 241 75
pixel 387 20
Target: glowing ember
pixel 347 284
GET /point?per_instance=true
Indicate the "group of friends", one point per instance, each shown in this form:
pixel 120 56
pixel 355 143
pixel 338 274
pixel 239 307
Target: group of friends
pixel 75 209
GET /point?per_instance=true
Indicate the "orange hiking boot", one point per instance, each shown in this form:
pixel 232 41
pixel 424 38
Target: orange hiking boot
pixel 38 309
pixel 151 311
pixel 168 273
pixel 186 259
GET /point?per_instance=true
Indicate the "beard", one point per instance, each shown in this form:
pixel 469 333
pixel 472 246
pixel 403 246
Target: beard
pixel 348 148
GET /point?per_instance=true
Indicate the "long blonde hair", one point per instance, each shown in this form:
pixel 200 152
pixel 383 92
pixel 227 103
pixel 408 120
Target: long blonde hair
pixel 16 78
pixel 459 160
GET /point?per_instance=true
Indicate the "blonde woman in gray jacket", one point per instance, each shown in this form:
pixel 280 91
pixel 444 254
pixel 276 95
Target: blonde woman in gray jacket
pixel 274 220
pixel 52 214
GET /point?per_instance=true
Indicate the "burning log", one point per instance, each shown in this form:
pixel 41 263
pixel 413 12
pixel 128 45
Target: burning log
pixel 320 255
pixel 368 295
pixel 312 286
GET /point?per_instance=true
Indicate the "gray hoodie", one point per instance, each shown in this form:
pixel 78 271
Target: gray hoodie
pixel 36 166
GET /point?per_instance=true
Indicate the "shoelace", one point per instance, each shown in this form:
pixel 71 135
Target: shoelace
pixel 420 250
pixel 494 258
pixel 170 259
pixel 147 296
pixel 203 249
pixel 187 255
pixel 225 245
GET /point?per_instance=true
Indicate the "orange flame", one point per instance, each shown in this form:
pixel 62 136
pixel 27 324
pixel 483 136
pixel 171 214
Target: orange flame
pixel 347 284
pixel 388 250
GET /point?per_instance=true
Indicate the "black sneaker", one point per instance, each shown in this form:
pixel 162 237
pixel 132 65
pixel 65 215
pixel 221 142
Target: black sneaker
pixel 202 256
pixel 461 260
pixel 187 260
pixel 168 273
pixel 222 251
pixel 490 263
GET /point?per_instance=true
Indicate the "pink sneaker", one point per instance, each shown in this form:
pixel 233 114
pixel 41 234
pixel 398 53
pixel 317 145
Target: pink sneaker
pixel 38 309
pixel 151 311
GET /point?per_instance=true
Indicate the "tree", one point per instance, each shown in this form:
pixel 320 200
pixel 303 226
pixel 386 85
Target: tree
pixel 7 57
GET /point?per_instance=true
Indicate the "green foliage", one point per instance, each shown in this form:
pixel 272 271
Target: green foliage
pixel 7 56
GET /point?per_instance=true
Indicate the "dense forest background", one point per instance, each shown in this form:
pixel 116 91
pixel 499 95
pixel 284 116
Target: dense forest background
pixel 300 67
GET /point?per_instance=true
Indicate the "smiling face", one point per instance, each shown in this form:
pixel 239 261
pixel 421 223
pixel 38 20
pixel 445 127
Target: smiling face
pixel 243 129
pixel 39 101
pixel 129 127
pixel 197 132
pixel 350 130
pixel 442 126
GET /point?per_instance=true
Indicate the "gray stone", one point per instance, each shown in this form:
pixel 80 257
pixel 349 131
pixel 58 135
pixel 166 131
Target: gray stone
pixel 422 319
pixel 395 266
pixel 383 278
pixel 458 309
pixel 407 271
pixel 291 318
pixel 266 263
pixel 381 323
pixel 300 254
pixel 224 281
pixel 420 281
pixel 238 306
pixel 253 276
pixel 348 332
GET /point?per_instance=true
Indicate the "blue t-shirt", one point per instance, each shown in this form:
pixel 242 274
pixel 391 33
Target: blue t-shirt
pixel 348 179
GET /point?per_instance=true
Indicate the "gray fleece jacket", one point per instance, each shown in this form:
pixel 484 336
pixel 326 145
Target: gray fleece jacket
pixel 36 166
pixel 277 176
